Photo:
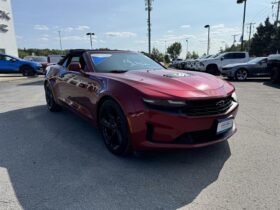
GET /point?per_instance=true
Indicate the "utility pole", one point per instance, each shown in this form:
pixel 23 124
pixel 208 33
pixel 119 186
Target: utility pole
pixel 148 4
pixel 59 34
pixel 278 11
pixel 244 18
pixel 250 33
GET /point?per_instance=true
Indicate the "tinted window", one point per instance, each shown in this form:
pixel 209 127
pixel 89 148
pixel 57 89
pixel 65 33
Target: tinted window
pixel 235 56
pixel 229 56
pixel 240 55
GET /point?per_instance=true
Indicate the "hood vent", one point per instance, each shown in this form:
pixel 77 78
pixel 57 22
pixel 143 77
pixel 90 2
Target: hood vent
pixel 177 75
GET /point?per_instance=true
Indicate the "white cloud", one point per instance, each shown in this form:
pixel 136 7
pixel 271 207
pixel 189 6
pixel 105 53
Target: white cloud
pixel 121 34
pixel 218 26
pixel 44 39
pixel 82 28
pixel 185 26
pixel 68 29
pixel 41 27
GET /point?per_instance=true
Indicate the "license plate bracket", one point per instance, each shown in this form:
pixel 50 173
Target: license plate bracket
pixel 224 125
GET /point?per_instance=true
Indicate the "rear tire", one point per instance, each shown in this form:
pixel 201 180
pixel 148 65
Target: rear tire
pixel 114 128
pixel 51 104
pixel 275 75
pixel 27 71
pixel 213 69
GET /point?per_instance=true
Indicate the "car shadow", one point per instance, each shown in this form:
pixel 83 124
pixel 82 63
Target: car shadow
pixel 39 82
pixel 270 84
pixel 58 161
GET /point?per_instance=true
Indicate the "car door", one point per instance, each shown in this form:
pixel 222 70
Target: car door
pixel 262 67
pixel 8 64
pixel 77 87
pixel 228 58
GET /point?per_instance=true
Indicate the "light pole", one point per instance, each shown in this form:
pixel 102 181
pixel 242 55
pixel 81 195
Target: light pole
pixel 59 34
pixel 90 36
pixel 244 18
pixel 187 47
pixel 208 45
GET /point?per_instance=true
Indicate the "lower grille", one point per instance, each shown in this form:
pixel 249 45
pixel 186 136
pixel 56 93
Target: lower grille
pixel 208 107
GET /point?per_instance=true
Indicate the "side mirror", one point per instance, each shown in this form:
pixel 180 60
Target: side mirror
pixel 13 60
pixel 222 58
pixel 75 66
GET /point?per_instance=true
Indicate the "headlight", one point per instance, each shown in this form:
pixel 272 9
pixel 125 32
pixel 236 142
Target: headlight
pixel 201 64
pixel 165 103
pixel 234 97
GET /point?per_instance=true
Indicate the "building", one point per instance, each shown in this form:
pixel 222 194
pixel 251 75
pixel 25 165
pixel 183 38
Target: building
pixel 7 32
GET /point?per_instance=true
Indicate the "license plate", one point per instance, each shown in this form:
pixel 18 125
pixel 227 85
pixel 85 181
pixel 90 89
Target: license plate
pixel 224 125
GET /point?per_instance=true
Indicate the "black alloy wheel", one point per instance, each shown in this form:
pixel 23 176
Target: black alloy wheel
pixel 51 104
pixel 27 71
pixel 114 128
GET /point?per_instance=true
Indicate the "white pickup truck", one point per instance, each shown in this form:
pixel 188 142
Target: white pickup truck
pixel 215 64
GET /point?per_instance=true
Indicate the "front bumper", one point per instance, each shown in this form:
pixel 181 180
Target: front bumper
pixel 227 73
pixel 40 70
pixel 155 130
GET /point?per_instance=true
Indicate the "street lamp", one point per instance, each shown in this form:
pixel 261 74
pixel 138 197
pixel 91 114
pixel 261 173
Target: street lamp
pixel 60 42
pixel 187 47
pixel 208 45
pixel 90 35
pixel 244 17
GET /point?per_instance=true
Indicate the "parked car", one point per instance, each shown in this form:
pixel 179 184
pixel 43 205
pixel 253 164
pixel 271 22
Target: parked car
pixel 39 59
pixel 140 105
pixel 215 65
pixel 274 67
pixel 54 59
pixel 10 64
pixel 241 71
pixel 175 63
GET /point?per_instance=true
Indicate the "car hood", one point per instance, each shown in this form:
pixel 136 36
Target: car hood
pixel 165 83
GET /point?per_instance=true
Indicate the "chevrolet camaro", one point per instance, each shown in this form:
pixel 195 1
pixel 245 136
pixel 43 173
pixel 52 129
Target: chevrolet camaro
pixel 140 105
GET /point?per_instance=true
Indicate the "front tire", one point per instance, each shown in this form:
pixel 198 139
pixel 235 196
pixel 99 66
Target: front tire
pixel 275 75
pixel 51 104
pixel 114 128
pixel 27 71
pixel 241 74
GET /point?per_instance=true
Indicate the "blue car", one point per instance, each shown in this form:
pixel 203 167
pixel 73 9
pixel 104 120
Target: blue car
pixel 10 64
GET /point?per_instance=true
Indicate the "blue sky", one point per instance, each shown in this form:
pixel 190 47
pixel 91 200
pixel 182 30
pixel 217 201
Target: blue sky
pixel 121 24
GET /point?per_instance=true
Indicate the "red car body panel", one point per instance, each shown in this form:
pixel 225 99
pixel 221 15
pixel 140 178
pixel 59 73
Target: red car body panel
pixel 84 92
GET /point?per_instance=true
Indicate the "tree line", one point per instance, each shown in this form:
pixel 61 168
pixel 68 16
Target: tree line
pixel 265 41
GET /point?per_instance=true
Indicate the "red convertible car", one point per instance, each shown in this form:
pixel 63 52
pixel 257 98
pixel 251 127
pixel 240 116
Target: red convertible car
pixel 140 105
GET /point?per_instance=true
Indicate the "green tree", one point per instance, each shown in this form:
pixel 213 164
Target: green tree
pixel 193 55
pixel 157 55
pixel 167 59
pixel 264 41
pixel 174 50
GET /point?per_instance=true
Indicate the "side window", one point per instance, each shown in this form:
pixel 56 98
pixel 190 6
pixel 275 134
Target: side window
pixel 229 56
pixel 240 55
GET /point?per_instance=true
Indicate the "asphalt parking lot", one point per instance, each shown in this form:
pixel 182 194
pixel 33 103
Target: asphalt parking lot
pixel 58 161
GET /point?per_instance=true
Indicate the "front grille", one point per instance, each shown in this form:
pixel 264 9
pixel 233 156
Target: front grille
pixel 208 107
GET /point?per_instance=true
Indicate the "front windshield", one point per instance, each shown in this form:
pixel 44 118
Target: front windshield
pixel 122 62
pixel 256 60
pixel 215 56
